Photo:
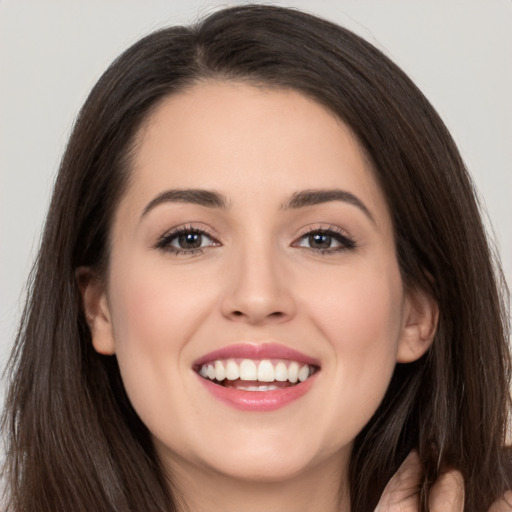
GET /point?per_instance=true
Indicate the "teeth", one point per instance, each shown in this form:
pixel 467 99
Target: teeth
pixel 261 371
pixel 293 372
pixel 266 371
pixel 281 372
pixel 232 370
pixel 248 370
pixel 220 372
pixel 253 388
pixel 270 387
pixel 303 373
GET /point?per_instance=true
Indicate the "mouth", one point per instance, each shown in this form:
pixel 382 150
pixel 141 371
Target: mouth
pixel 257 377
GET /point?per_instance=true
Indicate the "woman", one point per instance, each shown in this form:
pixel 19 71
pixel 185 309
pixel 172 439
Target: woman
pixel 263 281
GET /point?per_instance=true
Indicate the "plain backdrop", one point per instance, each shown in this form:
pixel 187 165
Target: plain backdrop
pixel 52 52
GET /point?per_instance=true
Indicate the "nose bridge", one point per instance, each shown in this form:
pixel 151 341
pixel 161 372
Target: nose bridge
pixel 257 289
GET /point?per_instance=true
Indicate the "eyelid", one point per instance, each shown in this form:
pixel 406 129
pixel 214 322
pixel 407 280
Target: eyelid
pixel 164 241
pixel 347 242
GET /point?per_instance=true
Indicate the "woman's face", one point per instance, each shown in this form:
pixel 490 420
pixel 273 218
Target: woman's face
pixel 252 238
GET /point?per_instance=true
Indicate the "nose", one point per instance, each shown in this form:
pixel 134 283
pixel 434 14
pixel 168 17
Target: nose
pixel 258 289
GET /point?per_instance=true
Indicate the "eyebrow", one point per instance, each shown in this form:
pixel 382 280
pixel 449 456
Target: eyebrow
pixel 216 200
pixel 314 197
pixel 194 196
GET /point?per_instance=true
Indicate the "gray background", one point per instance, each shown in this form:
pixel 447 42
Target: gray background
pixel 52 52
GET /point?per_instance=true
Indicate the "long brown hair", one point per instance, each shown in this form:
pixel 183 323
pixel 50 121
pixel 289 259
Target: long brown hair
pixel 73 440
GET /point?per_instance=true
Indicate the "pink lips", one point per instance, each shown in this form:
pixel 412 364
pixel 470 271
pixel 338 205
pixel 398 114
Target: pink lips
pixel 257 400
pixel 250 351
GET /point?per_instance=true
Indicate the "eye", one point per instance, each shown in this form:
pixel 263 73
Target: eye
pixel 326 241
pixel 186 240
pixel 190 240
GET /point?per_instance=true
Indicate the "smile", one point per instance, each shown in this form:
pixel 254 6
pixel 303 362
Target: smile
pixel 251 375
pixel 257 377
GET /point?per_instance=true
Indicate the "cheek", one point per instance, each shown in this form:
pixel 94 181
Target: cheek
pixel 362 317
pixel 154 314
pixel 157 307
pixel 360 311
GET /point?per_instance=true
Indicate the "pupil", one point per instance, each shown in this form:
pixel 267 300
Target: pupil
pixel 319 241
pixel 190 241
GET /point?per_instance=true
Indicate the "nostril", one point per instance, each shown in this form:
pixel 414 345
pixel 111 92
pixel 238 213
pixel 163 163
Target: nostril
pixel 275 314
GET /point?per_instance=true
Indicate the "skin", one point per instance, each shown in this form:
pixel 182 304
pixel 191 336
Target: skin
pixel 256 279
pixel 446 495
pixel 400 495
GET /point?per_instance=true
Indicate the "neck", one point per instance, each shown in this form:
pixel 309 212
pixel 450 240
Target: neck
pixel 199 489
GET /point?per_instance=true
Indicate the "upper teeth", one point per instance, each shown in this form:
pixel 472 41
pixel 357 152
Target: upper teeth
pixel 263 371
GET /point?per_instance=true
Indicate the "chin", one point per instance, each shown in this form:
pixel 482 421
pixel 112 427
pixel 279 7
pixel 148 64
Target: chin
pixel 276 468
pixel 273 461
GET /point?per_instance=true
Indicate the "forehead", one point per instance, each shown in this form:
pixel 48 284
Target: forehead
pixel 248 140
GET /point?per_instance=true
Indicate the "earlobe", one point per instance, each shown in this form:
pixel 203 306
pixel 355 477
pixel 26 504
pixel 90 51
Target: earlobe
pixel 420 324
pixel 96 310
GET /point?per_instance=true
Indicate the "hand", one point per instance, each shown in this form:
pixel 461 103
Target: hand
pixel 401 493
pixel 503 505
pixel 447 494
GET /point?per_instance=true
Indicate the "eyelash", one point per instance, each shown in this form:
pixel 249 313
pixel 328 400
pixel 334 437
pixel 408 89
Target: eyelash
pixel 164 243
pixel 346 242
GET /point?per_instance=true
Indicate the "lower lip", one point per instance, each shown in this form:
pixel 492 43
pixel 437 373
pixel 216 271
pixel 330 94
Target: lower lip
pixel 258 400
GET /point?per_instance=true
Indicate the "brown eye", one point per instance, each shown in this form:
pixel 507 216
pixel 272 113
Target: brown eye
pixel 320 241
pixel 186 240
pixel 189 241
pixel 325 241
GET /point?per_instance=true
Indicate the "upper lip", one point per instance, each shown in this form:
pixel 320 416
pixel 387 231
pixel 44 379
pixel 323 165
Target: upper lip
pixel 257 351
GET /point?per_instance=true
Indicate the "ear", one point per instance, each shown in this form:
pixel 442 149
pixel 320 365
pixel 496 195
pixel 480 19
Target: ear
pixel 421 315
pixel 96 310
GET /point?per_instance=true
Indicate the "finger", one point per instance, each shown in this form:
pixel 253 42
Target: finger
pixel 447 494
pixel 504 504
pixel 402 489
